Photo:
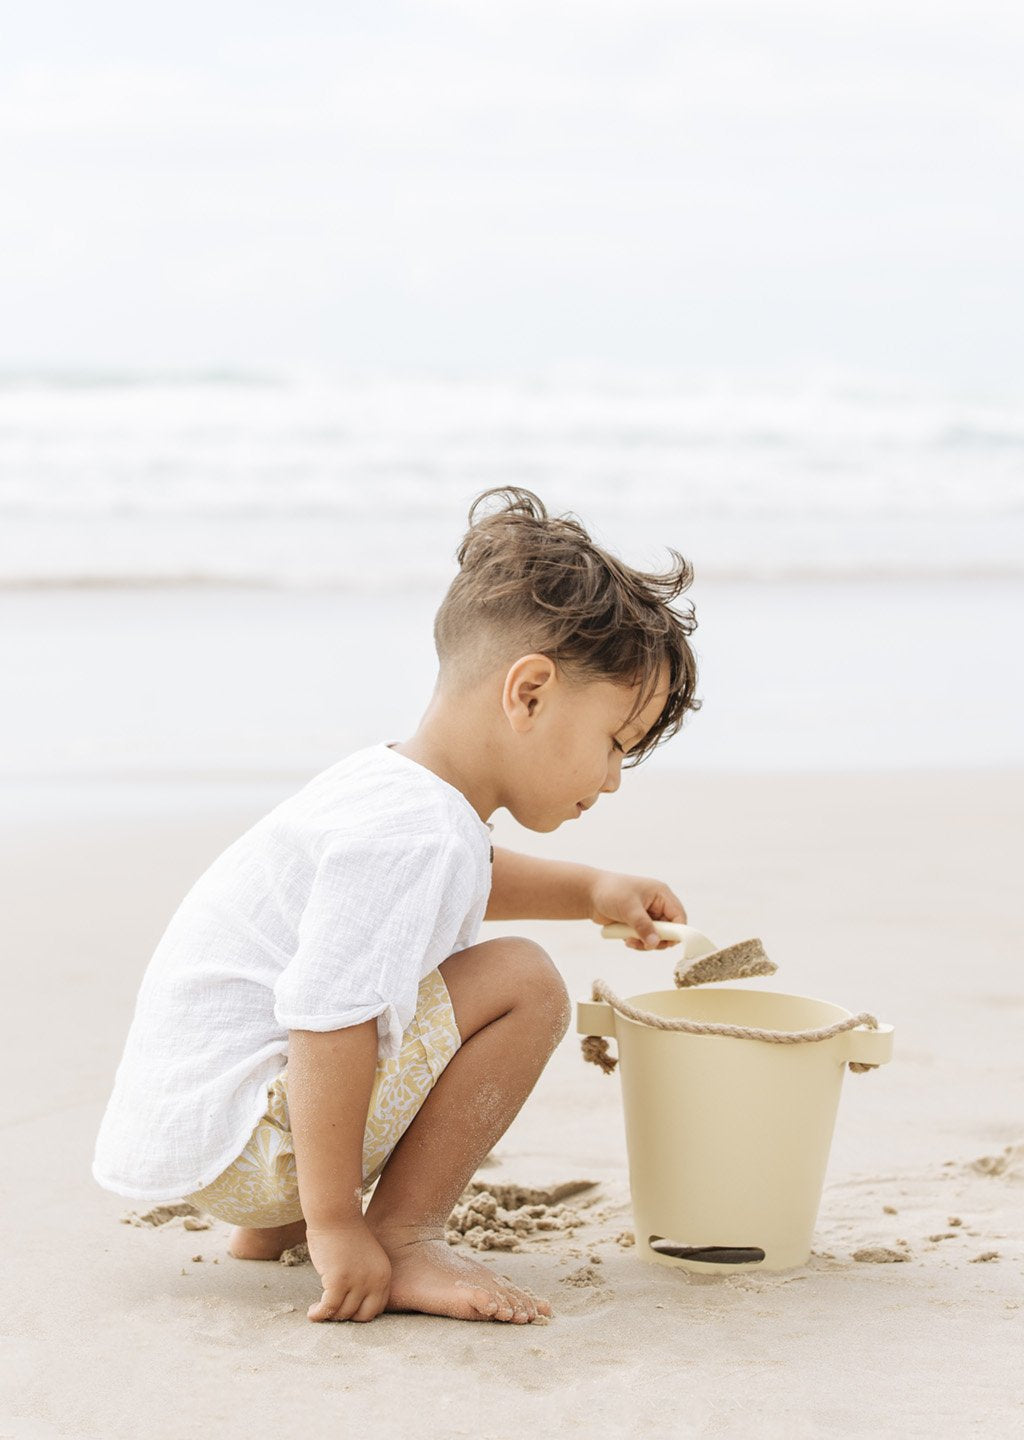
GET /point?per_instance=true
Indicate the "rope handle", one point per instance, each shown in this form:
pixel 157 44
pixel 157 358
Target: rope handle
pixel 595 1047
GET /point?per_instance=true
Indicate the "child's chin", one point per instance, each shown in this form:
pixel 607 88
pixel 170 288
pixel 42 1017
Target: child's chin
pixel 540 824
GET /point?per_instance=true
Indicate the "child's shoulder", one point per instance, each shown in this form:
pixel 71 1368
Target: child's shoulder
pixel 381 794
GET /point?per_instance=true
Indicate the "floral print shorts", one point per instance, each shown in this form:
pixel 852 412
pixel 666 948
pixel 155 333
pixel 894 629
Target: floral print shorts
pixel 259 1188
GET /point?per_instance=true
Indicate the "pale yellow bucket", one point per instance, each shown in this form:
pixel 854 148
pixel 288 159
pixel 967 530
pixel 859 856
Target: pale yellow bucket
pixel 728 1139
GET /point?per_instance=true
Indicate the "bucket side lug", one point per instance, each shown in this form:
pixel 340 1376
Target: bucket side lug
pixel 594 1017
pixel 868 1047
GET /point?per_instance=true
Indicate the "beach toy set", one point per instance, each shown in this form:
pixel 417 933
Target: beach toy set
pixel 730 1100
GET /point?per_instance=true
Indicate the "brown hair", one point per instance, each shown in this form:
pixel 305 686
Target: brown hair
pixel 538 581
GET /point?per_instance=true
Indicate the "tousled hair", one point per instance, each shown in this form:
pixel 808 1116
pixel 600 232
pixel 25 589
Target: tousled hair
pixel 538 581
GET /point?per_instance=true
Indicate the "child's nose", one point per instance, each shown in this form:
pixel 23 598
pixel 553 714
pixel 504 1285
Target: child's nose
pixel 613 779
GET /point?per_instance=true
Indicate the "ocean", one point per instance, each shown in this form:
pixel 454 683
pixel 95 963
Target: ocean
pixel 362 482
pixel 230 573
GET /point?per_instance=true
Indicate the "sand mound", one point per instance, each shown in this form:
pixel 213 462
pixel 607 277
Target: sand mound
pixel 499 1217
pixel 1010 1162
pixel 584 1277
pixel 511 1196
pixel 161 1214
pixel 297 1255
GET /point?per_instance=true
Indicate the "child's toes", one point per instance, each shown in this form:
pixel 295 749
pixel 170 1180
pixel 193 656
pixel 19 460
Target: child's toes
pixel 527 1301
pixel 484 1303
pixel 515 1296
pixel 508 1304
pixel 522 1308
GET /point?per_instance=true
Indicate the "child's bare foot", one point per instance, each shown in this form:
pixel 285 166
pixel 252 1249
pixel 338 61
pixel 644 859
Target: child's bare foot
pixel 427 1275
pixel 266 1244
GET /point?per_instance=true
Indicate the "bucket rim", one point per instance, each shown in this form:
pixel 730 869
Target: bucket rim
pixel 642 1001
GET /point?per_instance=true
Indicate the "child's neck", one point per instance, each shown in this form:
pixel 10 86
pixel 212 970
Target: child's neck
pixel 451 741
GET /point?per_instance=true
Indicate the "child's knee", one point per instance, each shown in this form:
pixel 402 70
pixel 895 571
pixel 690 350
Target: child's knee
pixel 540 987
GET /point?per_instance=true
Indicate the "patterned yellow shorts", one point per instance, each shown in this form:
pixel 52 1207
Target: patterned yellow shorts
pixel 260 1188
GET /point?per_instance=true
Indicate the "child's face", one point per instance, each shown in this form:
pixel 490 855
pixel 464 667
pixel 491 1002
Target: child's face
pixel 571 745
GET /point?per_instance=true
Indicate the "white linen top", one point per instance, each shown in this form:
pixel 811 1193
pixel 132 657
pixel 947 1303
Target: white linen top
pixel 327 912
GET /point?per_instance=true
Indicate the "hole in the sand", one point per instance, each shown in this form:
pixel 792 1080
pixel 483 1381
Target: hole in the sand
pixel 710 1254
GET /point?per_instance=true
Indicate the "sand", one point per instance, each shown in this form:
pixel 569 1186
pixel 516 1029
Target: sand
pixel 503 1217
pixel 892 893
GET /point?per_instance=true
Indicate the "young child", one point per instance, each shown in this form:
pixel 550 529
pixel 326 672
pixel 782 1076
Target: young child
pixel 319 1014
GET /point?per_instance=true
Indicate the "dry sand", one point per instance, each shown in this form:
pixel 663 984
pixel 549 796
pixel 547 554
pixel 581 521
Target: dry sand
pixel 893 893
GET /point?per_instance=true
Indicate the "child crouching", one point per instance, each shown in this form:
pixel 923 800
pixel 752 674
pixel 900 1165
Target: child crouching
pixel 320 1016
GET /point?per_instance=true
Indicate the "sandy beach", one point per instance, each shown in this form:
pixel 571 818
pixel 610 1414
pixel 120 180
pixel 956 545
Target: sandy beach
pixel 890 892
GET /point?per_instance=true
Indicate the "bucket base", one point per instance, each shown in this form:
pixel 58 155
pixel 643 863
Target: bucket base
pixel 718 1259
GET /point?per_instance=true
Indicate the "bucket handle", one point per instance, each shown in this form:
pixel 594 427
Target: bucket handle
pixel 866 1049
pixel 695 944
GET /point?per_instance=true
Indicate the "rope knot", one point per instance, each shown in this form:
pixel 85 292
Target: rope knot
pixel 595 1049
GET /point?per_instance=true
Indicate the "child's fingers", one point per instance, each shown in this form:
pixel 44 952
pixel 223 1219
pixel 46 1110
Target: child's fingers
pixel 371 1307
pixel 666 905
pixel 671 909
pixel 355 1304
pixel 644 927
pixel 352 1303
pixel 328 1305
pixel 640 945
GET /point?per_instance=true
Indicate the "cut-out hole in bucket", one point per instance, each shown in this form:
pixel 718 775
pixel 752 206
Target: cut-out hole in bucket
pixel 709 1254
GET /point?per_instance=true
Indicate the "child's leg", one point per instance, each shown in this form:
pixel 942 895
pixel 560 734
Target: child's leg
pixel 511 1009
pixel 269 1243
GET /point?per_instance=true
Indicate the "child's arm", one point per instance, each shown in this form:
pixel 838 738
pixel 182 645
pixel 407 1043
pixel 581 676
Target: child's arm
pixel 330 1077
pixel 524 887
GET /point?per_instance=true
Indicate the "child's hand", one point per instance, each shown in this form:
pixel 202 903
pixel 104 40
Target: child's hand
pixel 354 1271
pixel 635 901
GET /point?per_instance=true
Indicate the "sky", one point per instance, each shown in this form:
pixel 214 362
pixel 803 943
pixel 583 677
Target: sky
pixel 507 185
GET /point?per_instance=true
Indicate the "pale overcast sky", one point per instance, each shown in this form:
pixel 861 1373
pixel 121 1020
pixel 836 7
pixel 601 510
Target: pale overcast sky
pixel 506 184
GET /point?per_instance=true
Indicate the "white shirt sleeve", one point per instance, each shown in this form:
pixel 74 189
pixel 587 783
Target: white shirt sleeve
pixel 382 913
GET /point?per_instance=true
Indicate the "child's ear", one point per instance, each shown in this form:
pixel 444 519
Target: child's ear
pixel 528 684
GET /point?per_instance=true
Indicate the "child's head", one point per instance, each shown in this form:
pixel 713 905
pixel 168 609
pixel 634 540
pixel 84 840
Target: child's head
pixel 578 658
